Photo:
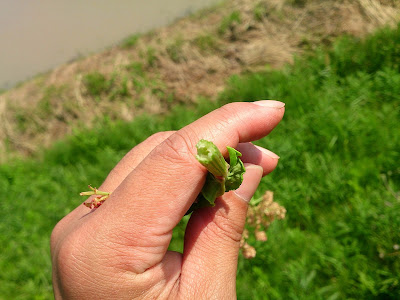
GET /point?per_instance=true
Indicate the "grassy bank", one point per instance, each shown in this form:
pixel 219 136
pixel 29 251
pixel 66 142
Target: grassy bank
pixel 338 178
pixel 152 72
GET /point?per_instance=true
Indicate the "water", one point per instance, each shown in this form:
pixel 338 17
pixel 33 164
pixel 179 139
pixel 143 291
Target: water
pixel 36 36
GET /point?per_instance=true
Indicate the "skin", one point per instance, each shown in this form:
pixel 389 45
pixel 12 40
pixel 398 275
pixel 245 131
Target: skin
pixel 119 251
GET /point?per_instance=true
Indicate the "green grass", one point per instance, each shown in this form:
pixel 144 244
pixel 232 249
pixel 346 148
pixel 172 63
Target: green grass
pixel 338 177
pixel 32 119
pixel 96 83
pixel 130 41
pixel 229 21
pixel 206 43
pixel 151 57
pixel 174 50
pixel 339 143
pixel 260 10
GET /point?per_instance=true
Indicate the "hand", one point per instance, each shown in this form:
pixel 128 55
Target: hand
pixel 119 251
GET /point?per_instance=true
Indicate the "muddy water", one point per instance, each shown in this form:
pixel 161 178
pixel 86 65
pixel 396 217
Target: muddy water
pixel 36 36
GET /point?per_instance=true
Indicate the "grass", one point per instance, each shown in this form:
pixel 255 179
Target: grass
pixel 260 10
pixel 229 21
pixel 150 56
pixel 207 43
pixel 130 41
pixel 338 177
pixel 299 3
pixel 96 83
pixel 32 119
pixel 174 50
pixel 116 87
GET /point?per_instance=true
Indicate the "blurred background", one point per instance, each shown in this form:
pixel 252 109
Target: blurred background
pixel 38 36
pixel 83 83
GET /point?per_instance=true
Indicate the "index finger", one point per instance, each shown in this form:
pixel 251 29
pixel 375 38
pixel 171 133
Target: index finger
pixel 153 198
pixel 170 177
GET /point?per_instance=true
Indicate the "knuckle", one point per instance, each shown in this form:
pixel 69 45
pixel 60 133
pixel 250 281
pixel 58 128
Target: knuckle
pixel 159 137
pixel 227 229
pixel 233 110
pixel 179 148
pixel 57 233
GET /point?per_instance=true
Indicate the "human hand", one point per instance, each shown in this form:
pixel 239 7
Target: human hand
pixel 119 251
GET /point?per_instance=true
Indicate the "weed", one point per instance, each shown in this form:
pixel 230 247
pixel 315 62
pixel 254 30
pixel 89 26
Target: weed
pixel 174 50
pixel 71 108
pixel 138 102
pixel 170 98
pixel 96 83
pixel 139 84
pixel 130 41
pixel 33 120
pixel 21 121
pixel 124 91
pixel 45 105
pixel 158 92
pixel 136 69
pixel 206 43
pixel 120 89
pixel 260 11
pixel 298 3
pixel 151 57
pixel 228 22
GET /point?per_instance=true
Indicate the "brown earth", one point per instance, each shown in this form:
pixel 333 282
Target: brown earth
pixel 192 57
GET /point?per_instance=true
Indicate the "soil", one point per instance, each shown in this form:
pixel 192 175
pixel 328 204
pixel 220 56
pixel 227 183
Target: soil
pixel 191 58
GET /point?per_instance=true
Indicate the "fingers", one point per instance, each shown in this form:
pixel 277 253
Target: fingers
pixel 212 239
pixel 257 155
pixel 152 199
pixel 172 165
pixel 133 158
pixel 117 175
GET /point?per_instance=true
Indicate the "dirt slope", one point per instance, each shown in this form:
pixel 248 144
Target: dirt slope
pixel 190 58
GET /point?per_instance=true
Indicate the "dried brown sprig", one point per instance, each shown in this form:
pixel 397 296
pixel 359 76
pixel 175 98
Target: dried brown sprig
pixel 261 213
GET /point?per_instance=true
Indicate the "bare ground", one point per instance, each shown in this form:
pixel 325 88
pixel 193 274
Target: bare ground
pixel 192 57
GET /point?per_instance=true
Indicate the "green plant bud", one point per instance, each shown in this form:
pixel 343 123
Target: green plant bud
pixel 209 156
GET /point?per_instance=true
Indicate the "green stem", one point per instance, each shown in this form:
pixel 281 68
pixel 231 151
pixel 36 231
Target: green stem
pixel 90 193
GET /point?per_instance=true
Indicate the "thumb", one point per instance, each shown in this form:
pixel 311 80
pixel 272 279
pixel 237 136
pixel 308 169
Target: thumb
pixel 212 240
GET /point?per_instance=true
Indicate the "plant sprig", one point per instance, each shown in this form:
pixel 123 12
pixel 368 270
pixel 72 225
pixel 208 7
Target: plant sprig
pixel 96 201
pixel 221 177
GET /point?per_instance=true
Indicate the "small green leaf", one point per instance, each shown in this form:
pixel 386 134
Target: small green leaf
pixel 233 156
pixel 236 170
pixel 213 188
pixel 221 178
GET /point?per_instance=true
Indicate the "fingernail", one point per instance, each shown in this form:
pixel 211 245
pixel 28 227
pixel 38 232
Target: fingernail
pixel 270 103
pixel 251 179
pixel 267 152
